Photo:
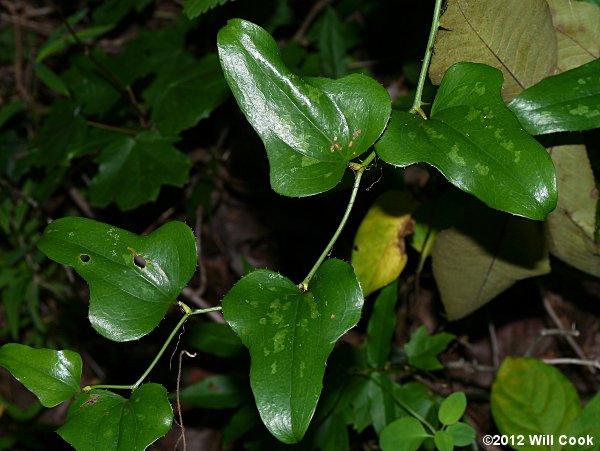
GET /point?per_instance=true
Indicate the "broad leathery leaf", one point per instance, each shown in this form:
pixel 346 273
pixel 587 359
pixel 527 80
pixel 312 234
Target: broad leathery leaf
pixel 290 334
pixel 214 392
pixel 452 408
pixel 586 424
pixel 483 31
pixel 194 8
pixel 422 349
pixel 404 434
pixel 132 279
pixel 133 169
pixel 52 376
pixel 476 143
pixel 311 128
pixel 531 397
pixel 380 329
pixel 570 228
pixel 104 420
pixel 185 94
pixel 483 256
pixel 379 252
pixel 566 102
pixel 577 27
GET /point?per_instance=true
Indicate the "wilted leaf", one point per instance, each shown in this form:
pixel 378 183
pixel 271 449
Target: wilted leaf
pixel 485 31
pixel 379 253
pixel 531 397
pixel 570 229
pixel 484 256
pixel 577 27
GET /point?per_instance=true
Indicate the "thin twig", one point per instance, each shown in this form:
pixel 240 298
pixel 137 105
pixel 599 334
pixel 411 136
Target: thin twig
pixel 201 269
pixel 549 333
pixel 472 367
pixel 309 19
pixel 81 203
pixel 191 295
pixel 493 341
pixel 182 427
pixel 592 364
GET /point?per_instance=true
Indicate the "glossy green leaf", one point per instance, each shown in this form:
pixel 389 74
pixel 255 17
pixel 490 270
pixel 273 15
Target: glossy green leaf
pixel 531 397
pixel 214 338
pixel 194 8
pixel 452 408
pixel 290 334
pixel 53 376
pixel 484 255
pixel 51 79
pixel 586 424
pixel 476 143
pixel 443 441
pixel 462 434
pixel 133 169
pixel 483 31
pixel 311 128
pixel 565 102
pixel 577 27
pixel 185 93
pixel 422 349
pixel 126 300
pixel 570 228
pixel 379 252
pixel 215 392
pixel 104 420
pixel 332 48
pixel 380 329
pixel 404 434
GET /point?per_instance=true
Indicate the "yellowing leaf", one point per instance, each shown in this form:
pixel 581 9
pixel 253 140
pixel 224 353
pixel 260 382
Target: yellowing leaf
pixel 570 228
pixel 379 254
pixel 481 258
pixel 514 36
pixel 577 27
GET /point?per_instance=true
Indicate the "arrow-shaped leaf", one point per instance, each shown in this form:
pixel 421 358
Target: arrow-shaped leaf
pixel 132 279
pixel 311 128
pixel 477 143
pixel 290 334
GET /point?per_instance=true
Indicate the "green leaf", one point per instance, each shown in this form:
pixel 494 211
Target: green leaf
pixel 530 397
pixel 290 334
pixel 379 252
pixel 311 128
pixel 133 169
pixel 9 110
pixel 332 435
pixel 126 300
pixel 52 376
pixel 404 434
pixel 577 32
pixel 381 327
pixel 56 44
pixel 51 79
pixel 483 31
pixel 587 424
pixel 332 48
pixel 591 2
pixel 245 419
pixel 452 408
pixel 484 255
pixel 214 338
pixel 104 420
pixel 570 228
pixel 415 396
pixel 215 392
pixel 565 102
pixel 422 349
pixel 443 441
pixel 476 143
pixel 194 8
pixel 382 407
pixel 462 434
pixel 186 93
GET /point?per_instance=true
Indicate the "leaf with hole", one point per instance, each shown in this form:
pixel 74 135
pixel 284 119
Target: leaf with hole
pixel 476 143
pixel 53 376
pixel 104 420
pixel 290 334
pixel 311 128
pixel 127 301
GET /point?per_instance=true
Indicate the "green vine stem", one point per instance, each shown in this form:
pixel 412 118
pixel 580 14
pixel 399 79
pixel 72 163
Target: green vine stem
pixel 189 312
pixel 435 24
pixel 358 169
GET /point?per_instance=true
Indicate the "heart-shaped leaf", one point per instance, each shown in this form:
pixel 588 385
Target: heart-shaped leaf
pixel 311 128
pixel 476 143
pixel 132 279
pixel 290 334
pixel 104 420
pixel 53 376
